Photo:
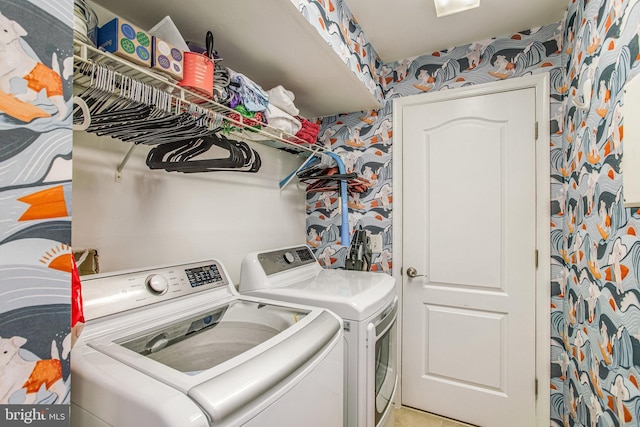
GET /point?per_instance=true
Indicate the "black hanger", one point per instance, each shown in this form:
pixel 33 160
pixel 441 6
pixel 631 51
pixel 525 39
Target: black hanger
pixel 180 156
pixel 131 111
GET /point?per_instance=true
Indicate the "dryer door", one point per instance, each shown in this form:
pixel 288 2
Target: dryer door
pixel 383 369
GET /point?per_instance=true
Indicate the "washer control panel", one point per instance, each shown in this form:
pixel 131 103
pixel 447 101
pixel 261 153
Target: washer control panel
pixel 200 276
pixel 112 293
pixel 285 259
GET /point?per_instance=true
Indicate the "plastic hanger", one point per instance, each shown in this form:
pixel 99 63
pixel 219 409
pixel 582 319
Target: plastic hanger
pixel 133 111
pixel 181 156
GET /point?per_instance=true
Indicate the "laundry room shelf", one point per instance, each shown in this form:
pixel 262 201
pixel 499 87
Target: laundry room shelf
pixel 265 135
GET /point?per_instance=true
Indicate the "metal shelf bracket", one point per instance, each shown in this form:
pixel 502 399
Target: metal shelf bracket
pixel 123 163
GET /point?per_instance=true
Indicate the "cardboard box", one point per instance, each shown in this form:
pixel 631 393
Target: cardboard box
pixel 167 59
pixel 125 40
pixel 87 261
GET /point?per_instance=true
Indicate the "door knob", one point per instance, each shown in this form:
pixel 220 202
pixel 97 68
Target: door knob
pixel 412 272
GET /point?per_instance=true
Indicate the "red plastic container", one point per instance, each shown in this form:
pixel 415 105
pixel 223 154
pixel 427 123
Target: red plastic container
pixel 198 74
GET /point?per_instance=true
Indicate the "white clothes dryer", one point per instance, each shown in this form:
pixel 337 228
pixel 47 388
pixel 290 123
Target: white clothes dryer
pixel 367 304
pixel 177 346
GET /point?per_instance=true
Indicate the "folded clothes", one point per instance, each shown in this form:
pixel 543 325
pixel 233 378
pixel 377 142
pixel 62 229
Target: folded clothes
pixel 309 131
pixel 250 119
pixel 283 99
pixel 280 120
pixel 248 92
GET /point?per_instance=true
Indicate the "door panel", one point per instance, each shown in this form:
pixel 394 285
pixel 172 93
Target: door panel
pixel 453 360
pixel 479 183
pixel 469 221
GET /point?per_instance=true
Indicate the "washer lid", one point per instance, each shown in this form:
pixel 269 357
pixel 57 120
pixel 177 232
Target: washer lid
pixel 208 339
pixel 224 356
pixel 352 295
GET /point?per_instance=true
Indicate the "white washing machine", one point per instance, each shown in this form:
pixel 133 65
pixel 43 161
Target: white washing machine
pixel 367 304
pixel 177 346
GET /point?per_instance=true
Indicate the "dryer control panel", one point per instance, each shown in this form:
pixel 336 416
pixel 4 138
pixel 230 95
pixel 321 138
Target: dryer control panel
pixel 285 259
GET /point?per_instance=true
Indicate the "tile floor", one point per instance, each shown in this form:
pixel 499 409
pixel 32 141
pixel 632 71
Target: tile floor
pixel 408 417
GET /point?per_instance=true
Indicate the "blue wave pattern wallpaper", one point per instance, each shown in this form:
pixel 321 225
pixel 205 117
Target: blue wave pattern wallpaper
pixel 596 262
pixel 36 72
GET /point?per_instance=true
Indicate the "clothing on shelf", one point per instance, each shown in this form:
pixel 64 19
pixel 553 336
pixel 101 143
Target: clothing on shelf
pixel 309 131
pixel 278 119
pixel 283 99
pixel 221 82
pixel 246 92
pixel 249 119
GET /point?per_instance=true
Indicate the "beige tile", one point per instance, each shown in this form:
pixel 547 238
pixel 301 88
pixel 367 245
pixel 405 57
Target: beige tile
pixel 409 417
pixel 450 423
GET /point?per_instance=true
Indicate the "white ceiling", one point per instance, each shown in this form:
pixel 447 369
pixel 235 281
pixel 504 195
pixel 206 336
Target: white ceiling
pixel 400 29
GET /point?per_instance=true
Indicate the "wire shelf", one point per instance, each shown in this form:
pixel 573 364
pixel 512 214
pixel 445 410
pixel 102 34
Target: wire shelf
pixel 275 138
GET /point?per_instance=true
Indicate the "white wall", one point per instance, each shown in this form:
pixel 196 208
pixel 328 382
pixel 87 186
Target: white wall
pixel 155 217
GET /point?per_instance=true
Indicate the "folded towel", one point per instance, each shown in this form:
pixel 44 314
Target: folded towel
pixel 283 121
pixel 283 99
pixel 280 120
pixel 309 131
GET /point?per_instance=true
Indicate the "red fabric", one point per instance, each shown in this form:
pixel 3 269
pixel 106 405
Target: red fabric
pixel 309 131
pixel 77 311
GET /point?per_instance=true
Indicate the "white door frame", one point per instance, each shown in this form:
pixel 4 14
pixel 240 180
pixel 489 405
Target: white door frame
pixel 540 82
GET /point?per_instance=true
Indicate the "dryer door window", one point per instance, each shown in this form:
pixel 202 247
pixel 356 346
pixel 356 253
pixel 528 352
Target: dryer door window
pixel 385 364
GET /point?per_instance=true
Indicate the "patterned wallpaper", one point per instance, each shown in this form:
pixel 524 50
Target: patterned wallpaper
pixel 596 266
pixel 35 200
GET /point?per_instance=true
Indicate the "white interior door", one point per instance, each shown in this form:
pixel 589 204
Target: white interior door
pixel 469 231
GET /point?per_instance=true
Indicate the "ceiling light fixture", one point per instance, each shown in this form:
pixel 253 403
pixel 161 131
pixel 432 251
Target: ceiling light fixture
pixel 448 7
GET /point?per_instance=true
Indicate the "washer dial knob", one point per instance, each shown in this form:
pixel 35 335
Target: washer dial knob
pixel 288 257
pixel 157 284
